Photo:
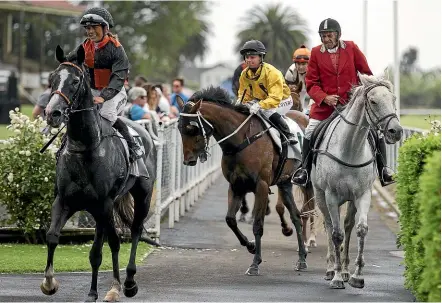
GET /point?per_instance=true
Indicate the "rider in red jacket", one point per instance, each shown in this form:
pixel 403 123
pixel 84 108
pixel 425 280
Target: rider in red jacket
pixel 332 71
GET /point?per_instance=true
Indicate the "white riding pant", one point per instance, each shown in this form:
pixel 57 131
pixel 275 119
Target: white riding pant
pixel 312 123
pixel 282 109
pixel 113 107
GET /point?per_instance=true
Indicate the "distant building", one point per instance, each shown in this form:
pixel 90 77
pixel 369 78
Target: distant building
pixel 202 77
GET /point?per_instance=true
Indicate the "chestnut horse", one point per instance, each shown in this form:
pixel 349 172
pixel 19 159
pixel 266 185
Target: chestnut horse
pixel 246 168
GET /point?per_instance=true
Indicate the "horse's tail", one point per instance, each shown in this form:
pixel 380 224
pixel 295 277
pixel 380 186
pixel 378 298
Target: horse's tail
pixel 124 216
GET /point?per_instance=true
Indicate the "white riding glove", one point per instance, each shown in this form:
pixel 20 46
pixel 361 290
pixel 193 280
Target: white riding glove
pixel 255 108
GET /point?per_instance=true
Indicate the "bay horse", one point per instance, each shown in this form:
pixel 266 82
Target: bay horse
pixel 93 174
pixel 345 170
pixel 249 163
pixel 308 211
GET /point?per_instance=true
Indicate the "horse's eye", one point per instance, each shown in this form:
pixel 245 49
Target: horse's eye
pixel 76 81
pixel 373 101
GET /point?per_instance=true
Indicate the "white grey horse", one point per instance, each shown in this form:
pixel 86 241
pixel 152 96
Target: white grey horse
pixel 345 171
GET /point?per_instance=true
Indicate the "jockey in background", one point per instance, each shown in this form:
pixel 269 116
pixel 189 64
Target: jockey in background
pixel 262 86
pixel 296 73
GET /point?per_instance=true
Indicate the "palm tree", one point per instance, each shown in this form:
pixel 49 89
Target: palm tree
pixel 280 28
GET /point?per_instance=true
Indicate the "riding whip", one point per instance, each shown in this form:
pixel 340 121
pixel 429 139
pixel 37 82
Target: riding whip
pixel 50 141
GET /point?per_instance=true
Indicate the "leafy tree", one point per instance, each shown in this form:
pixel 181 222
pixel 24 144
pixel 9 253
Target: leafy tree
pixel 280 28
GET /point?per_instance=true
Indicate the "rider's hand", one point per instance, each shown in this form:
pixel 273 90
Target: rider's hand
pixel 331 100
pixel 98 100
pixel 255 108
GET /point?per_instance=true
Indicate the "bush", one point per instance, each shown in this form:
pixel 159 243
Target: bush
pixel 412 157
pixel 428 198
pixel 27 176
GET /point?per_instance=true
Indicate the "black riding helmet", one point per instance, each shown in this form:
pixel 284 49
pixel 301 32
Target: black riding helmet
pixel 253 47
pixel 97 16
pixel 330 25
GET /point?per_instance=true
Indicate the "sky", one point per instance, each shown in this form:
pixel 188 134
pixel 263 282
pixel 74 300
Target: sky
pixel 419 25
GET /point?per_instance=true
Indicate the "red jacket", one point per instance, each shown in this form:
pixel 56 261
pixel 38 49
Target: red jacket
pixel 322 79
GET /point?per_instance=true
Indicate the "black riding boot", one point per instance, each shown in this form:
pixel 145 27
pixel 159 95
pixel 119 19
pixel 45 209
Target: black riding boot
pixel 385 173
pixel 280 123
pixel 134 149
pixel 301 175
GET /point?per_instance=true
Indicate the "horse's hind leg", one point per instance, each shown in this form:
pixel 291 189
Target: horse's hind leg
pixel 337 237
pixel 349 223
pixel 285 190
pixel 142 193
pixel 244 210
pixel 362 206
pixel 60 214
pixel 286 229
pixel 311 209
pixel 234 202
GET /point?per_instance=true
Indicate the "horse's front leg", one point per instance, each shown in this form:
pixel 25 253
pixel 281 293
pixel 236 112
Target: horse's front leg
pixel 337 237
pixel 286 229
pixel 234 203
pixel 349 223
pixel 310 197
pixel 113 295
pixel 362 206
pixel 95 258
pixel 59 216
pixel 261 202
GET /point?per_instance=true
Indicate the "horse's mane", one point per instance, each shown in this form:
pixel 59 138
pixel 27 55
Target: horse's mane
pixel 218 96
pixel 366 80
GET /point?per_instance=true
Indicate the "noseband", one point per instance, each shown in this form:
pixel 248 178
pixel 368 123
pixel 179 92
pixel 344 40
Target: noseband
pixel 69 110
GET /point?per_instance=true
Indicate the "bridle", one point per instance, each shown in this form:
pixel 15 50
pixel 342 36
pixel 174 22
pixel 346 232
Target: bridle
pixel 374 123
pixel 199 123
pixel 70 102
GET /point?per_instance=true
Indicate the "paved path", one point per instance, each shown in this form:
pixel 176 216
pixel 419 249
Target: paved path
pixel 203 261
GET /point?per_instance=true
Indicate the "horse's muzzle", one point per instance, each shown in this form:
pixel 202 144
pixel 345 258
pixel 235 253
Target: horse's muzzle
pixel 54 118
pixel 190 162
pixel 393 134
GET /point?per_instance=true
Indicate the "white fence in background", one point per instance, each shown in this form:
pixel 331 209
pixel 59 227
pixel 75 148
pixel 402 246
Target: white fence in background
pixel 393 149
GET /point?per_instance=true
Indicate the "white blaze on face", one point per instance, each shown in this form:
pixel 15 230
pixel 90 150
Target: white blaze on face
pixel 63 77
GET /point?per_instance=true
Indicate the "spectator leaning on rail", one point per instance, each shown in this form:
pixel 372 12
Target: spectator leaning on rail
pixel 332 70
pixel 43 100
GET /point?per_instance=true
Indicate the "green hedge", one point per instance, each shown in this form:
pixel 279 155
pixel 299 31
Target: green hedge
pixel 412 157
pixel 429 233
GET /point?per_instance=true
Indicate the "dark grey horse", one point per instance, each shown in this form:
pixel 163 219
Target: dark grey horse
pixel 93 175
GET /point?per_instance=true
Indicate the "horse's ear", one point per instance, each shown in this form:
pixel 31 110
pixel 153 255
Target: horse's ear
pixel 180 102
pixel 196 107
pixel 80 55
pixel 59 54
pixel 362 78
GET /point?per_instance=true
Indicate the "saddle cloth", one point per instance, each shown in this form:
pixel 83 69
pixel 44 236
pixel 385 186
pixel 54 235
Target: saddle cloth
pixel 293 151
pixel 137 168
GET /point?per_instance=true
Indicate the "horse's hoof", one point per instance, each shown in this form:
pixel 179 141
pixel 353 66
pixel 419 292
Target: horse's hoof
pixel 242 218
pixel 312 243
pixel 301 266
pixel 329 275
pixel 337 284
pixel 253 270
pixel 287 231
pixel 49 288
pixel 356 282
pixel 251 247
pixel 91 298
pixel 112 296
pixel 345 276
pixel 130 290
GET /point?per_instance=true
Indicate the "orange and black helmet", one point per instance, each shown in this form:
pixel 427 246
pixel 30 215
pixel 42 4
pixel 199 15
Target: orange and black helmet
pixel 301 55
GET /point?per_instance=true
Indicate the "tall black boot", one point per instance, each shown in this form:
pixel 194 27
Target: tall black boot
pixel 385 173
pixel 280 123
pixel 301 175
pixel 135 151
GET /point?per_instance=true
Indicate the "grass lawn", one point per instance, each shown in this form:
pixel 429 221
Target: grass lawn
pixel 418 121
pixel 27 258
